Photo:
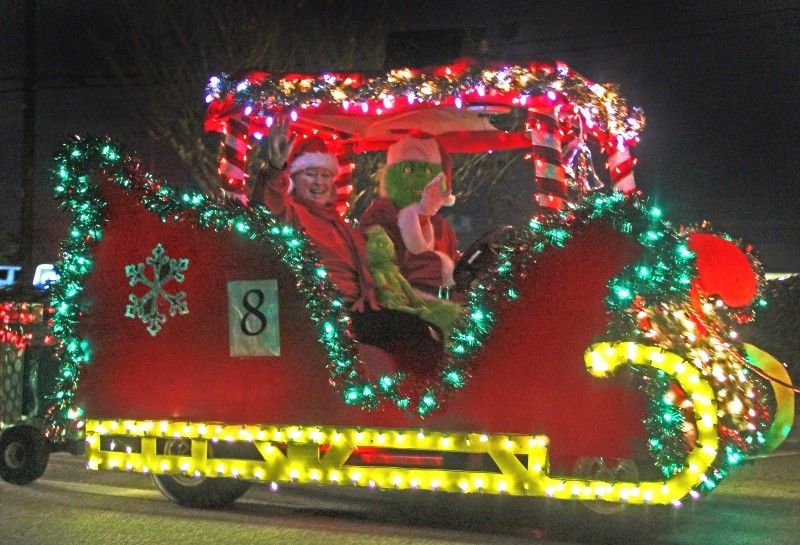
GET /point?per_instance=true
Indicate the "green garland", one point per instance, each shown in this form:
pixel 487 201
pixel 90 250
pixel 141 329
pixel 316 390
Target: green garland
pixel 663 273
pixel 663 421
pixel 80 158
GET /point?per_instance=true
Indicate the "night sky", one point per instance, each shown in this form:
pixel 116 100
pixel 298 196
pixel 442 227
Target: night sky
pixel 719 85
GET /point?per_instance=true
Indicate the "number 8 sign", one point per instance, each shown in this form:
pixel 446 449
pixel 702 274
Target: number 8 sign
pixel 253 327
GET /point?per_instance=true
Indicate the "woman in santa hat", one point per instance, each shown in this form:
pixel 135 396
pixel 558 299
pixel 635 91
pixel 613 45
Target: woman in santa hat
pixel 306 198
pixel 302 193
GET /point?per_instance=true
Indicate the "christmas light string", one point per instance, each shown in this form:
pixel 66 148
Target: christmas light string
pixel 658 285
pixel 245 107
pixel 19 323
pixel 460 83
pixel 661 273
pixel 708 340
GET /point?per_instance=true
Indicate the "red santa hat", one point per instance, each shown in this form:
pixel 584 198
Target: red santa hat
pixel 414 148
pixel 312 153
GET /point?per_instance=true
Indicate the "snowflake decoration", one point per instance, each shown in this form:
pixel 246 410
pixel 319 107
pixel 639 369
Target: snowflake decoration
pixel 146 308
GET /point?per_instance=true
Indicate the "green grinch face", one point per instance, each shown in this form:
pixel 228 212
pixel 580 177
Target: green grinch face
pixel 405 181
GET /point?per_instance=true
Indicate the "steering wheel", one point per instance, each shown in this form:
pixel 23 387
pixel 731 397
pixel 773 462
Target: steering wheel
pixel 480 255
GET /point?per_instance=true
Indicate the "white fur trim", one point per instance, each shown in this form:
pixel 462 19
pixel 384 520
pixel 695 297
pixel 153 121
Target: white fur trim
pixel 411 148
pixel 415 238
pixel 447 269
pixel 314 159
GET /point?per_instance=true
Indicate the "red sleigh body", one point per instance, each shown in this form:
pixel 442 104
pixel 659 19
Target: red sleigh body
pixel 529 377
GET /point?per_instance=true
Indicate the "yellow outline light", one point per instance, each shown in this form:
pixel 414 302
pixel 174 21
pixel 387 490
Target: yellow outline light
pixel 601 360
pixel 303 461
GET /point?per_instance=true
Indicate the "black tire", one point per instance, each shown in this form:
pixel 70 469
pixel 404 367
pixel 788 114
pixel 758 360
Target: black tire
pixel 24 453
pixel 623 469
pixel 201 492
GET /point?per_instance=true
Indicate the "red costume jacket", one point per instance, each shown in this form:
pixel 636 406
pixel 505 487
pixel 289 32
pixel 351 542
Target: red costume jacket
pixel 340 248
pixel 425 255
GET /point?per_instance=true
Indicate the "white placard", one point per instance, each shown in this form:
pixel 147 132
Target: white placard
pixel 253 327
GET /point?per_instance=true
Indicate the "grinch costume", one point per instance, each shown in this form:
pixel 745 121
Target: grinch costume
pixel 410 195
pixel 407 337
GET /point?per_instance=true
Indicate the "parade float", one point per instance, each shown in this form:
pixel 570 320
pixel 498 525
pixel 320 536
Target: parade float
pixel 596 358
pixel 27 375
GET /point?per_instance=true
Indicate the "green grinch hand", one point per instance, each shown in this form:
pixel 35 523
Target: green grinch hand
pixel 435 195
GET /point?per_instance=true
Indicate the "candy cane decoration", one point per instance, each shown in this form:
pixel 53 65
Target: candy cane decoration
pixel 344 179
pixel 550 180
pixel 620 168
pixel 578 162
pixel 233 161
pixel 571 132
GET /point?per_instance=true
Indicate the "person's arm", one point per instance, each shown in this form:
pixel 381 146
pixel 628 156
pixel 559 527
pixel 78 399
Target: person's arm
pixel 416 229
pixel 273 188
pixel 381 213
pixel 271 185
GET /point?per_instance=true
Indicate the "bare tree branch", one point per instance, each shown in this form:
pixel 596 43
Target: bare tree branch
pixel 173 49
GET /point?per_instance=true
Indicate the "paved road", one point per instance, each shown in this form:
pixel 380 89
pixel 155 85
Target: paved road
pixel 69 505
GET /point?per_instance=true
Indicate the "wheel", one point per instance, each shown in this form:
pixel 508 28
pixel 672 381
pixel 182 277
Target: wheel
pixel 24 453
pixel 603 469
pixel 480 255
pixel 202 492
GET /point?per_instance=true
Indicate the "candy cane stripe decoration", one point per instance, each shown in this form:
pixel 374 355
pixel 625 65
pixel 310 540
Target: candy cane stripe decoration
pixel 620 168
pixel 570 130
pixel 344 179
pixel 550 179
pixel 233 163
